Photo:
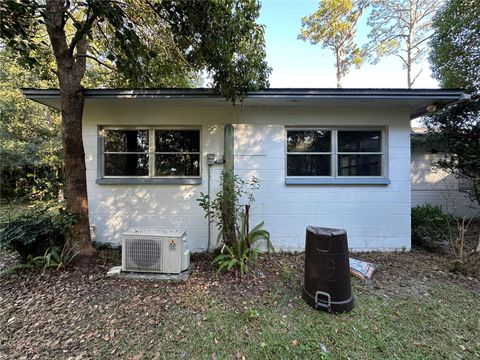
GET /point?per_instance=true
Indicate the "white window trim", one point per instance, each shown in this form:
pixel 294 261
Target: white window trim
pixel 336 179
pixel 151 178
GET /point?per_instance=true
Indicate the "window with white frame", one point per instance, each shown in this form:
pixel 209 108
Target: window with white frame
pixel 155 152
pixel 334 153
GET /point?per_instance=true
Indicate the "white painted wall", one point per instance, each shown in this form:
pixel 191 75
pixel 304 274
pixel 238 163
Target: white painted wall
pixel 376 217
pixel 438 187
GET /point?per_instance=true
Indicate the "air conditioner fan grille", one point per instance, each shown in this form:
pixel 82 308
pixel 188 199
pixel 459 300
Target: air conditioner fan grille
pixel 143 254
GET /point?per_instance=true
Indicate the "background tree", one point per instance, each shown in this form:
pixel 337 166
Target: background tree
pixel 30 143
pixel 334 26
pixel 401 28
pixel 455 61
pixel 219 37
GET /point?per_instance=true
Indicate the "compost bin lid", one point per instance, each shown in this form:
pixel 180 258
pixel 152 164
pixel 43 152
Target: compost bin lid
pixel 324 231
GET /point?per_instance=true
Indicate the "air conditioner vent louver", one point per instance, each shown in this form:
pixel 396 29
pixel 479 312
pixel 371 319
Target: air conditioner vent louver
pixel 155 250
pixel 144 254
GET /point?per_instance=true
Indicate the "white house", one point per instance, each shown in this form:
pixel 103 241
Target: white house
pixel 325 157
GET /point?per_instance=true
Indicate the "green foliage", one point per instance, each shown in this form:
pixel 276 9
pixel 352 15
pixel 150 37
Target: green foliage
pixel 430 227
pixel 244 251
pixel 221 38
pixel 455 55
pixel 333 26
pixel 401 28
pixel 455 62
pixel 54 257
pixel 240 247
pixel 38 230
pixel 225 209
pixel 31 165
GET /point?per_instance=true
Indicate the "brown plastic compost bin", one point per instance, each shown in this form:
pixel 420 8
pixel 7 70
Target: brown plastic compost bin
pixel 327 272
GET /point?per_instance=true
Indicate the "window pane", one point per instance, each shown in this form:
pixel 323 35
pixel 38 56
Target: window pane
pixel 308 141
pixel 126 140
pixel 359 141
pixel 126 165
pixel 177 140
pixel 177 165
pixel 308 165
pixel 359 165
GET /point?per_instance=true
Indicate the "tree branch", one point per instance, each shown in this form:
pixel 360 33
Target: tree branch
pixel 97 60
pixel 86 27
pixel 416 76
pixel 401 58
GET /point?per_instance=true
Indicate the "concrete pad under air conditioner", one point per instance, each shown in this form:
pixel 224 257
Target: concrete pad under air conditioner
pixel 117 272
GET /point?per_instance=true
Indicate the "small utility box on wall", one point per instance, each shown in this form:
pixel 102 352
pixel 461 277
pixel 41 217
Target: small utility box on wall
pixel 155 251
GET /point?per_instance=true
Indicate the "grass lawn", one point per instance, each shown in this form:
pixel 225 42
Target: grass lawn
pixel 412 309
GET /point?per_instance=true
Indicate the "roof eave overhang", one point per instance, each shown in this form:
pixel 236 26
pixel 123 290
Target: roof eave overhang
pixel 439 97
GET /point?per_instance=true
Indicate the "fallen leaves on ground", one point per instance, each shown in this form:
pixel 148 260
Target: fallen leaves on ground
pixel 79 313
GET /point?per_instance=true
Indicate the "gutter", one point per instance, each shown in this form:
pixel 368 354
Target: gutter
pixel 268 93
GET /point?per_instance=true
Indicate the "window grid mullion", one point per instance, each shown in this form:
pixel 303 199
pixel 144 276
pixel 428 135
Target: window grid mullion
pixel 334 153
pixel 151 151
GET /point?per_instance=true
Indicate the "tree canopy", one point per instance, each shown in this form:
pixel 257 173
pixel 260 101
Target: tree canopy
pixel 455 45
pixel 30 146
pixel 334 26
pixel 149 43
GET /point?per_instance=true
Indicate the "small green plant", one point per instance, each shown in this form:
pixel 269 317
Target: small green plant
pixel 224 209
pixel 240 255
pixel 240 244
pixel 430 227
pixel 287 275
pixel 54 257
pixel 35 230
pixel 251 313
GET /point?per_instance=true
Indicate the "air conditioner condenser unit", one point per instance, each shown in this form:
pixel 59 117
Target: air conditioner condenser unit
pixel 155 250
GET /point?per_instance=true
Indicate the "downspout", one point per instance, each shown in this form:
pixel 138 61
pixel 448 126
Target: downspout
pixel 228 165
pixel 210 164
pixel 228 147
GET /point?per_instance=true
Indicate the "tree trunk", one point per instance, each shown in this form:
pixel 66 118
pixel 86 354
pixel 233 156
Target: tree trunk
pixel 337 67
pixel 75 171
pixel 339 79
pixel 70 72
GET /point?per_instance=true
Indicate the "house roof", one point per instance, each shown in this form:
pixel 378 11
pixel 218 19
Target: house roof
pixel 417 100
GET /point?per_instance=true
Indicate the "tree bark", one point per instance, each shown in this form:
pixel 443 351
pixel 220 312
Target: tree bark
pixel 70 73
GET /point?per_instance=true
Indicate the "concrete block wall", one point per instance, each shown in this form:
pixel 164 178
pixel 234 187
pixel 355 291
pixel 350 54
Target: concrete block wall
pixel 376 217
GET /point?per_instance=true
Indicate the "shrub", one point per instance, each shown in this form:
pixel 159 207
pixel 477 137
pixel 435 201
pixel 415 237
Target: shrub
pixel 240 245
pixel 35 230
pixel 239 255
pixel 430 227
pixel 224 209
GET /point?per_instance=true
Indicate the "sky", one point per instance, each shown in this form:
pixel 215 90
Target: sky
pixel 297 63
